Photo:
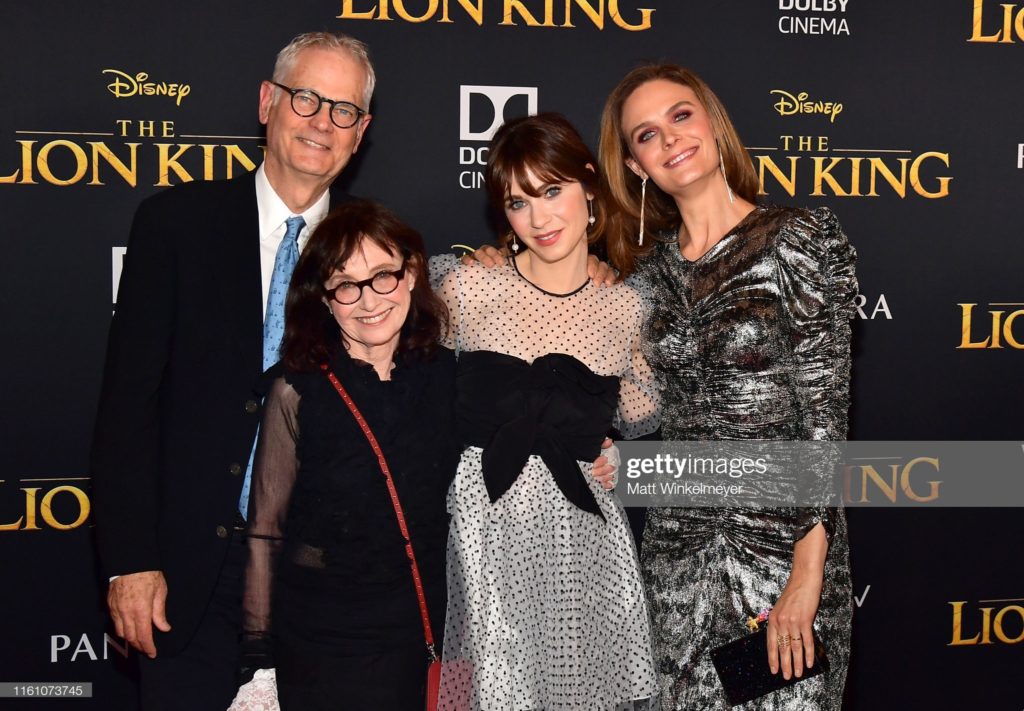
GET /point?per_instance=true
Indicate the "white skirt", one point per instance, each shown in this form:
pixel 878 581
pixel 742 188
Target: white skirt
pixel 546 608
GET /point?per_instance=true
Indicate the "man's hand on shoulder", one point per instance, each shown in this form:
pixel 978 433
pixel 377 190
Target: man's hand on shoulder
pixel 137 602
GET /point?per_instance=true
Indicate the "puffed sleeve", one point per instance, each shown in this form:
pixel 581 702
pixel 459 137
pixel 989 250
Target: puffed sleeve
pixel 439 266
pixel 445 280
pixel 816 266
pixel 639 410
pixel 273 479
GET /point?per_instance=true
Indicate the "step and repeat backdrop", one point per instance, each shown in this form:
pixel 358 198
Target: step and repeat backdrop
pixel 904 117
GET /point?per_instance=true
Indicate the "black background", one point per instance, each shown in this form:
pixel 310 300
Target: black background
pixel 908 79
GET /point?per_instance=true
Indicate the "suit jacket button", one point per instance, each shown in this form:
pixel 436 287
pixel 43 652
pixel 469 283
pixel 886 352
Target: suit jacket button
pixel 235 469
pixel 251 406
pixel 222 532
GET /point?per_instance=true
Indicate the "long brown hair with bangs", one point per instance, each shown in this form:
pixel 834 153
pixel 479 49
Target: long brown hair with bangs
pixel 660 212
pixel 311 335
pixel 548 146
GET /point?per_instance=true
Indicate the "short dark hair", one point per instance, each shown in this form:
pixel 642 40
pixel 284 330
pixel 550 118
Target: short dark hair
pixel 311 335
pixel 549 146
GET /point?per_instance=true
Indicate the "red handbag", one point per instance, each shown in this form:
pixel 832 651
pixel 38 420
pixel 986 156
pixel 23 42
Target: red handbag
pixel 434 670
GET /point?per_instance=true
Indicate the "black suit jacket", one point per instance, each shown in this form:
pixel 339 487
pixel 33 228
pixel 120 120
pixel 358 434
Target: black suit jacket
pixel 180 401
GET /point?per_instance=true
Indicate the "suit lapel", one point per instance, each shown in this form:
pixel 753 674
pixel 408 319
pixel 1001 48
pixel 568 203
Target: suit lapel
pixel 237 245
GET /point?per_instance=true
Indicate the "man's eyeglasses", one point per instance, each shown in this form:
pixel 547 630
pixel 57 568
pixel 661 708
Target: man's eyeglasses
pixel 349 292
pixel 306 103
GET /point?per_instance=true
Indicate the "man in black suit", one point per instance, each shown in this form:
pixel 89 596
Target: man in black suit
pixel 179 406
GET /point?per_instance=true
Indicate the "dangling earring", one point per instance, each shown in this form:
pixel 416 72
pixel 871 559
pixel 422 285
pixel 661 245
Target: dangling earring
pixel 515 244
pixel 590 209
pixel 721 164
pixel 643 199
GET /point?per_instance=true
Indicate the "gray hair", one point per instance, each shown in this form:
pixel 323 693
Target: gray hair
pixel 326 40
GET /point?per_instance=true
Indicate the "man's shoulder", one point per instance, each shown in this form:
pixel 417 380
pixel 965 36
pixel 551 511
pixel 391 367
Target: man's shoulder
pixel 338 195
pixel 203 192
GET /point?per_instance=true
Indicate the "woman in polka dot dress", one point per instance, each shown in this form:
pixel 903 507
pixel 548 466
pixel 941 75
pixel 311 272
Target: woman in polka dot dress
pixel 546 608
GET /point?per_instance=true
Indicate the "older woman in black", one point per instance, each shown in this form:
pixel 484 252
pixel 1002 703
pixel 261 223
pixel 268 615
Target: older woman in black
pixel 329 593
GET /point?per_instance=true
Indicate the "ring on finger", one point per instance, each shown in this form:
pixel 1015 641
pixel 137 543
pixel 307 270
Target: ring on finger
pixel 783 640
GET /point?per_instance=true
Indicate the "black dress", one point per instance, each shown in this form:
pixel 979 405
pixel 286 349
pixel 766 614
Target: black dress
pixel 326 555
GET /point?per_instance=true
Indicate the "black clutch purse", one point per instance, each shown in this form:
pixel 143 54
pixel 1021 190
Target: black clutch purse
pixel 742 665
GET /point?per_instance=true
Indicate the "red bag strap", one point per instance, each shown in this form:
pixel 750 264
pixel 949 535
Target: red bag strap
pixel 417 581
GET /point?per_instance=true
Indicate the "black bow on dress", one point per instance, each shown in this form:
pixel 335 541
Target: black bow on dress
pixel 555 407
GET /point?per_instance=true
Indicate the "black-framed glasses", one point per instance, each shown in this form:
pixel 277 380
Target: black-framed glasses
pixel 306 103
pixel 349 292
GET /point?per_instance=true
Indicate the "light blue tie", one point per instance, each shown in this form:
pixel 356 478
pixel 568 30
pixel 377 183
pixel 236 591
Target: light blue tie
pixel 273 324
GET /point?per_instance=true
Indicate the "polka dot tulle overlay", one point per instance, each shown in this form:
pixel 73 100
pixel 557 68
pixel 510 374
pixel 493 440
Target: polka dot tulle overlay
pixel 498 310
pixel 546 609
pixel 545 605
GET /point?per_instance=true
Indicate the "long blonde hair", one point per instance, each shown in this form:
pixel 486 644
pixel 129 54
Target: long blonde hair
pixel 660 212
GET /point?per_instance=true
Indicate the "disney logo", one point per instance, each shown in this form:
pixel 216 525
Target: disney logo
pixel 787 105
pixel 125 85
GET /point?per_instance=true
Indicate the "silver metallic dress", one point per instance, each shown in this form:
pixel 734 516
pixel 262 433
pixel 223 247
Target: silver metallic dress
pixel 751 341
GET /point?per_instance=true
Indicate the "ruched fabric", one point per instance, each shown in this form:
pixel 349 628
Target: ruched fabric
pixel 749 342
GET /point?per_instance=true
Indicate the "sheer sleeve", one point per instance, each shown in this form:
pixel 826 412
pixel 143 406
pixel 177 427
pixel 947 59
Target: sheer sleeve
pixel 639 410
pixel 439 266
pixel 447 286
pixel 819 287
pixel 273 478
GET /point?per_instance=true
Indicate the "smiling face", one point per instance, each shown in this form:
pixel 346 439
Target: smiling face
pixel 312 151
pixel 552 225
pixel 372 325
pixel 670 137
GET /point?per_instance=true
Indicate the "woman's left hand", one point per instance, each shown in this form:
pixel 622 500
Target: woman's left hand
pixel 486 255
pixel 606 467
pixel 790 635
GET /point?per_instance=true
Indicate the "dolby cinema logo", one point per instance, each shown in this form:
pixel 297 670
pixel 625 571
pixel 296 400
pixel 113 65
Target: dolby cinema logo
pixel 813 17
pixel 482 111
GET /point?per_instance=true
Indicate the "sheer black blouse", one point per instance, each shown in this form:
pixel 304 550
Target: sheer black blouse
pixel 319 499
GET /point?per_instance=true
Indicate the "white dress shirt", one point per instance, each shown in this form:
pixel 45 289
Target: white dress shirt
pixel 273 213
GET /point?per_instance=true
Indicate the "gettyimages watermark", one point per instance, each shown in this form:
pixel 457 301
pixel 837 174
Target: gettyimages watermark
pixel 814 474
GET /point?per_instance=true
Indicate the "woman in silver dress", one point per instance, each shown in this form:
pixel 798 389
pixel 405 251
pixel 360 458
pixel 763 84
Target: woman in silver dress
pixel 749 335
